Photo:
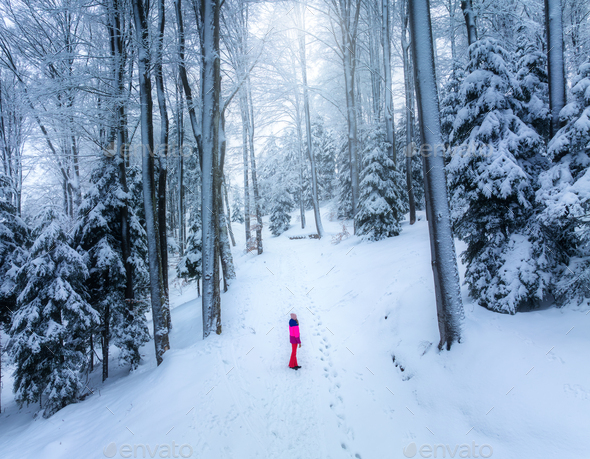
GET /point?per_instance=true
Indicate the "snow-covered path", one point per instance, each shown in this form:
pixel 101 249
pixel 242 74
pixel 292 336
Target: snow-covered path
pixel 372 382
pixel 286 412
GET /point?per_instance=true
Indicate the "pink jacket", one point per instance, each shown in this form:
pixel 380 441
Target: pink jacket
pixel 294 332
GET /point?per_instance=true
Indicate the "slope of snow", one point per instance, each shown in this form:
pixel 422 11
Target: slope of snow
pixel 372 382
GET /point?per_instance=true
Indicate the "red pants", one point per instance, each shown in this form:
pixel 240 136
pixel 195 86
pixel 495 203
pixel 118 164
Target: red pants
pixel 293 361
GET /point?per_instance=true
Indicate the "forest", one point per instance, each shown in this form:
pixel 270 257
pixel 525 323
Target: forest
pixel 137 137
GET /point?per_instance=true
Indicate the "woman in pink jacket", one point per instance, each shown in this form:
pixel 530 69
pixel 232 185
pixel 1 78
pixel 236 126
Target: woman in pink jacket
pixel 295 340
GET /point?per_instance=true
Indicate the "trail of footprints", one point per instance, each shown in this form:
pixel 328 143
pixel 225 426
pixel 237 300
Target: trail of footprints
pixel 330 373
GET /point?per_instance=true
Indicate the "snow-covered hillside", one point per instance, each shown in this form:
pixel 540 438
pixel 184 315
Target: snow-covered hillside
pixel 372 384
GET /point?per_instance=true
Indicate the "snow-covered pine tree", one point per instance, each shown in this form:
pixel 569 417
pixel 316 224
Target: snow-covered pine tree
pixel 324 147
pixel 565 193
pixel 191 264
pixel 14 239
pixel 534 83
pixel 416 163
pixel 280 212
pixel 51 327
pixel 126 338
pixel 99 236
pixel 451 100
pixel 343 182
pixel 491 187
pixel 141 279
pixel 237 215
pixel 381 203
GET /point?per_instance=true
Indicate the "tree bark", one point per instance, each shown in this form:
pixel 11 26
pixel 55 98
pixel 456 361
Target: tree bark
pixel 163 161
pixel 180 141
pixel 184 78
pixel 228 212
pixel 452 7
pixel 374 56
pixel 245 128
pixel 161 339
pixel 106 342
pixel 469 14
pixel 253 164
pixel 227 261
pixel 386 39
pixel 555 62
pixel 211 84
pixel 409 90
pixel 444 260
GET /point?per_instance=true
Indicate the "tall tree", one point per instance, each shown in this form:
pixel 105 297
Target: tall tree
pixel 210 121
pixel 50 328
pixel 258 210
pixel 380 203
pixel 492 178
pixel 117 24
pixel 162 153
pixel 310 151
pixel 555 60
pixel 160 309
pixel 347 14
pixel 98 234
pixel 12 135
pixel 386 43
pixel 409 112
pixel 565 194
pixel 14 239
pixel 444 261
pixel 190 101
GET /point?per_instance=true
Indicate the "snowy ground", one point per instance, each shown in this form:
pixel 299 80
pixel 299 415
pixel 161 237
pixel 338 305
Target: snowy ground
pixel 517 387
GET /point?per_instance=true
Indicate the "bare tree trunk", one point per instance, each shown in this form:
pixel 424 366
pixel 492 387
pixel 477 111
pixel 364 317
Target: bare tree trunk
pixel 554 28
pixel 227 261
pixel 452 10
pixel 253 164
pixel 310 152
pixel 91 344
pixel 106 342
pixel 374 58
pixel 180 141
pixel 469 14
pixel 163 161
pixel 228 211
pixel 352 129
pixel 300 162
pixel 211 84
pixel 390 135
pixel 409 90
pixel 161 339
pixel 444 260
pixel 184 78
pixel 245 128
pixel 76 188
